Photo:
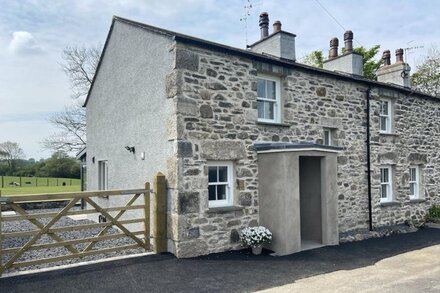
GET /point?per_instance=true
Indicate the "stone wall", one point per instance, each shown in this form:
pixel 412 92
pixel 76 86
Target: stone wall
pixel 214 98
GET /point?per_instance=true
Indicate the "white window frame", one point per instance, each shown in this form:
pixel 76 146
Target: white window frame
pixel 277 106
pixel 388 184
pixel 416 182
pixel 229 184
pixel 328 131
pixel 103 175
pixel 388 117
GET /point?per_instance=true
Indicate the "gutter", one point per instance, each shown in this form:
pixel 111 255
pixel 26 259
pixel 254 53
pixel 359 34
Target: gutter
pixel 370 207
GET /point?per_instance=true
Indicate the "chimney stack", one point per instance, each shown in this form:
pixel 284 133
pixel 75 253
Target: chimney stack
pixel 399 55
pixel 348 40
pixel 264 25
pixel 397 73
pixel 333 52
pixel 349 63
pixel 276 26
pixel 279 44
pixel 386 57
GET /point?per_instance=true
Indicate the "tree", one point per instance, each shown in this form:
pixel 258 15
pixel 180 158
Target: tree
pixel 72 130
pixel 370 64
pixel 427 76
pixel 80 64
pixel 316 58
pixel 11 152
pixel 59 165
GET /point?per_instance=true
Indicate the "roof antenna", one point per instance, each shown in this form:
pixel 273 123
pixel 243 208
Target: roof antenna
pixel 247 13
pixel 409 49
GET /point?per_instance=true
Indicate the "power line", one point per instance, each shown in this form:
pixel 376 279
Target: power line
pixel 334 18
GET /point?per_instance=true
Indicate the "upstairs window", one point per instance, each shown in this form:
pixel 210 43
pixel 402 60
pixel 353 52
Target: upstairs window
pixel 220 184
pixel 102 175
pixel 268 99
pixel 386 184
pixel 414 182
pixel 385 116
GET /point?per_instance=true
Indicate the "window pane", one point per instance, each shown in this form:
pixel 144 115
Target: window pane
pixel 412 188
pixel 269 112
pixel 386 175
pixel 222 174
pixel 412 174
pixel 261 88
pixel 270 90
pixel 221 192
pixel 260 107
pixel 212 174
pixel 211 192
pixel 327 137
pixel 384 107
pixel 383 123
pixel 384 191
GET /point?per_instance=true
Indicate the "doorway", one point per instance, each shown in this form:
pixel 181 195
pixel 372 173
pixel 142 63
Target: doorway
pixel 310 201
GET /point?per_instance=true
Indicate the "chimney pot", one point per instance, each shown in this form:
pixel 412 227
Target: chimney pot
pixel 264 24
pixel 348 40
pixel 333 53
pixel 399 55
pixel 386 57
pixel 276 26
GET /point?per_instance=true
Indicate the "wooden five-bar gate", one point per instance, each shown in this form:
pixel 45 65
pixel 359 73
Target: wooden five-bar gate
pixel 138 199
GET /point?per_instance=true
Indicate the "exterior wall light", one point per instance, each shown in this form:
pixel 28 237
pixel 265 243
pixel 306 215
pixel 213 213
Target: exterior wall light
pixel 130 149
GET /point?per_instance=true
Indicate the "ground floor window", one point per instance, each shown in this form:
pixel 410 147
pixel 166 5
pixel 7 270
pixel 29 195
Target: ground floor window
pixel 102 175
pixel 414 182
pixel 220 183
pixel 386 184
pixel 328 136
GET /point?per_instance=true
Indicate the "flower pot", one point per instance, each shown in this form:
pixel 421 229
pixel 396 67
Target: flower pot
pixel 257 250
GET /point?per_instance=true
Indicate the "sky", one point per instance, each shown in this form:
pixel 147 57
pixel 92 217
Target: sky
pixel 33 34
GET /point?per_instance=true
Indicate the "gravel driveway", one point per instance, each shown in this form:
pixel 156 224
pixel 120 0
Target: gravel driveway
pixel 21 226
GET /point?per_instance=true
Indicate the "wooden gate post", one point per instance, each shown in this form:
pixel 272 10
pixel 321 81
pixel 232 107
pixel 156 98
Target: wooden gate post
pixel 160 214
pixel 147 216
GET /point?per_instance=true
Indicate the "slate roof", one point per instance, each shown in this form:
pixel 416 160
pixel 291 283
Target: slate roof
pixel 182 38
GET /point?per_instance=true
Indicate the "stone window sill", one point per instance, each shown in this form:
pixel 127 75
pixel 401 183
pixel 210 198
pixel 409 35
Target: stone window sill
pixel 388 134
pixel 219 210
pixel 418 200
pixel 390 204
pixel 273 124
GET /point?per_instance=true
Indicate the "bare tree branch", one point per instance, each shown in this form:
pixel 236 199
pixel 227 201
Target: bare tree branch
pixel 72 130
pixel 80 64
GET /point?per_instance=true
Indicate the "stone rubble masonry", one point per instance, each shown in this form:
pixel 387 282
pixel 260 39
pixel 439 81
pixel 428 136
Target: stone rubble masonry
pixel 215 118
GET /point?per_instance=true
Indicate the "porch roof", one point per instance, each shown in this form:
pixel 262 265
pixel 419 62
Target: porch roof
pixel 292 146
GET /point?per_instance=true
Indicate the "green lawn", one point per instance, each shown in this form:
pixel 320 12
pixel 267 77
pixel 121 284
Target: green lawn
pixel 39 189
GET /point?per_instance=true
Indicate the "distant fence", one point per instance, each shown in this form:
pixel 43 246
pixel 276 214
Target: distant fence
pixel 15 181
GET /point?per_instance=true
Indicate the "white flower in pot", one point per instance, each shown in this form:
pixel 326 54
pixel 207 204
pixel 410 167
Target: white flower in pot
pixel 255 237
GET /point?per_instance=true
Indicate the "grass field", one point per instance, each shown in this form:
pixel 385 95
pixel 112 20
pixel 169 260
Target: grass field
pixel 38 189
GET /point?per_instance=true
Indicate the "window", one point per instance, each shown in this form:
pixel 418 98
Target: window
pixel 385 116
pixel 386 184
pixel 102 175
pixel 328 136
pixel 268 99
pixel 414 182
pixel 220 187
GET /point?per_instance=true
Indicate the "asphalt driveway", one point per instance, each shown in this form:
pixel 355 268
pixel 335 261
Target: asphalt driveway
pixel 225 272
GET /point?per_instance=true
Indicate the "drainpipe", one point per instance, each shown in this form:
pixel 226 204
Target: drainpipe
pixel 370 207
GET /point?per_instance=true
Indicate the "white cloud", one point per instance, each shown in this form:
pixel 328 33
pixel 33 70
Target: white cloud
pixel 24 43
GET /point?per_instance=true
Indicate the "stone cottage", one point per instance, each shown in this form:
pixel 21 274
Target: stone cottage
pixel 251 136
